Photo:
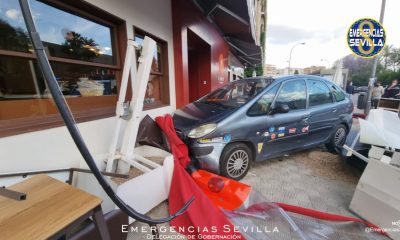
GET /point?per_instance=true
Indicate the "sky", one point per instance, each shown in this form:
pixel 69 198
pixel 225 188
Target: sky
pixel 322 25
pixel 52 23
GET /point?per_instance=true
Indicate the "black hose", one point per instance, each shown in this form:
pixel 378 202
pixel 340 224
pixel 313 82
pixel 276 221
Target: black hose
pixel 72 127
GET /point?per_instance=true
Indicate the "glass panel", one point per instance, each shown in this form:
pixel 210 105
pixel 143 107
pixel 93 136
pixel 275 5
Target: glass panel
pixel 262 106
pixel 339 94
pixel 319 93
pixel 153 91
pixel 63 34
pixel 75 80
pixel 293 94
pixel 237 93
pixel 68 36
pixel 13 33
pixel 21 79
pixel 156 65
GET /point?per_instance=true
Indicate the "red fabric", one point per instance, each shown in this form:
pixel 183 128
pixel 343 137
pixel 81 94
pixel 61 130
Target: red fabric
pixel 202 217
pixel 326 216
pixel 178 148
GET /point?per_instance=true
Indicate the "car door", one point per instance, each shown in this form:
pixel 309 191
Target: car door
pixel 323 112
pixel 276 133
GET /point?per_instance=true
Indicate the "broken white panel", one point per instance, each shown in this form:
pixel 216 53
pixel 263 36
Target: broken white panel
pixel 382 128
pixel 147 191
pixel 377 196
pixel 376 152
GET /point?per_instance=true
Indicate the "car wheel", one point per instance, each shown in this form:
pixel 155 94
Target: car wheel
pixel 338 138
pixel 235 161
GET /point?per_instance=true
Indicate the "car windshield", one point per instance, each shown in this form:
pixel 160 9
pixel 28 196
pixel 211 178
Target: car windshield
pixel 237 93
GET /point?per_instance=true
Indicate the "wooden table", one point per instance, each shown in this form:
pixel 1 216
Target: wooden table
pixel 51 209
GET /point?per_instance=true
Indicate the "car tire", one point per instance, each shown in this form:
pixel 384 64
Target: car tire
pixel 338 138
pixel 235 161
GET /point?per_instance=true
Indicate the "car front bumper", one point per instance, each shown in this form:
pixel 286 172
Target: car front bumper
pixel 207 154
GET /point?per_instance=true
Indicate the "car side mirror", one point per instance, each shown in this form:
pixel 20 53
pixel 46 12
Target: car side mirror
pixel 281 108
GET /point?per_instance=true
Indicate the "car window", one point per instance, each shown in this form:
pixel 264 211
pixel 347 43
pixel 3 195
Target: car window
pixel 339 94
pixel 236 93
pixel 318 93
pixel 293 94
pixel 262 106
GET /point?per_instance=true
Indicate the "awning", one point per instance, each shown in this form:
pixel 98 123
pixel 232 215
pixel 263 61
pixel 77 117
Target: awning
pixel 233 20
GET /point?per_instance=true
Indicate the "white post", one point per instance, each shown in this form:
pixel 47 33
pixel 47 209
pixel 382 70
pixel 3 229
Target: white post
pixel 130 58
pixel 139 79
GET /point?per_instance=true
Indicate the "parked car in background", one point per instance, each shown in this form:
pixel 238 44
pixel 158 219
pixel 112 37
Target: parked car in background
pixel 260 118
pixel 360 89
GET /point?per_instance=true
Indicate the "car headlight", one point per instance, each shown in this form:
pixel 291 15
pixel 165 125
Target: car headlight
pixel 202 130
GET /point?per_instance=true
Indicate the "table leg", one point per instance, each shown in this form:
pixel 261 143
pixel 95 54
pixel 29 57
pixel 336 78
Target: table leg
pixel 100 223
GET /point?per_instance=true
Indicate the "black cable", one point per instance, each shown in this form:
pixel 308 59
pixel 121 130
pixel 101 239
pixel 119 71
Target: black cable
pixel 72 127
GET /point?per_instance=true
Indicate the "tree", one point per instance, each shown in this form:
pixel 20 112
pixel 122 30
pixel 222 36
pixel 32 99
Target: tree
pixel 248 71
pixel 385 57
pixel 81 47
pixel 390 59
pixel 360 69
pixel 14 39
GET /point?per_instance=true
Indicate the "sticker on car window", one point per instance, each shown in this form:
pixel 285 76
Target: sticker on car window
pixel 271 129
pixel 305 129
pixel 292 130
pixel 281 135
pixel 281 129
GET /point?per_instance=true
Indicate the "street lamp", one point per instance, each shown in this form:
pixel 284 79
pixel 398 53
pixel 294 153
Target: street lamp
pixel 374 65
pixel 291 50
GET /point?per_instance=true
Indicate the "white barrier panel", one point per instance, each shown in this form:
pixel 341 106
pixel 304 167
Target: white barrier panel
pixel 146 191
pixel 382 128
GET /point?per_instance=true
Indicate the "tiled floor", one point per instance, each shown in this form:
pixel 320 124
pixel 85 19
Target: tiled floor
pixel 313 179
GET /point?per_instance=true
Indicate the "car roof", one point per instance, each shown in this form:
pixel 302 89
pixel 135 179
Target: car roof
pixel 284 78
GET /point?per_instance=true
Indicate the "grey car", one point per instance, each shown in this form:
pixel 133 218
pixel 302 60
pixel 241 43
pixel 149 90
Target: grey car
pixel 261 118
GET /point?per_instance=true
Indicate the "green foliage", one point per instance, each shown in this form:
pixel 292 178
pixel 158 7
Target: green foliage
pixel 248 71
pixel 360 69
pixel 262 39
pixel 14 39
pixel 386 76
pixel 390 60
pixel 80 47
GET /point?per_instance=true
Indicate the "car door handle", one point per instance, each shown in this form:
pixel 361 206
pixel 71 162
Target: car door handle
pixel 334 110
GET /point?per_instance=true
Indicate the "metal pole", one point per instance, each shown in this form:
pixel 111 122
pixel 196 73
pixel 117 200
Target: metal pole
pixel 374 66
pixel 290 55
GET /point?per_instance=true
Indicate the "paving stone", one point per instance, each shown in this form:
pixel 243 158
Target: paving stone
pixel 293 182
